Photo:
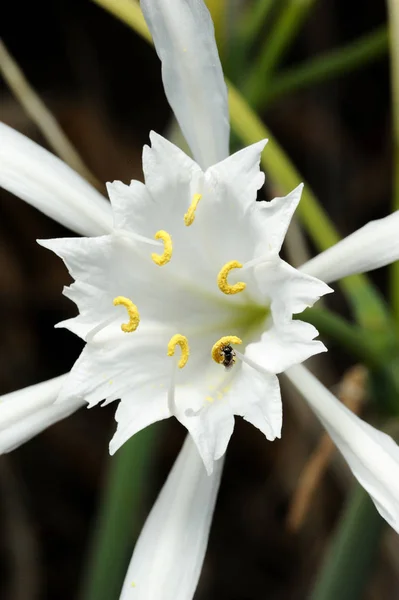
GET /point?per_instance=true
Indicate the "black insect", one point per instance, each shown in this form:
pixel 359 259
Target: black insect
pixel 229 356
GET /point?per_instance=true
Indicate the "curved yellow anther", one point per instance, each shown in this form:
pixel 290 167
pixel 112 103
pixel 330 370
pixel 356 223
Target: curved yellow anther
pixel 162 259
pixel 190 214
pixel 182 341
pixel 227 340
pixel 132 311
pixel 222 279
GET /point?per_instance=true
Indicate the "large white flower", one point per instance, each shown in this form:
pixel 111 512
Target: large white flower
pixel 183 291
pixel 175 293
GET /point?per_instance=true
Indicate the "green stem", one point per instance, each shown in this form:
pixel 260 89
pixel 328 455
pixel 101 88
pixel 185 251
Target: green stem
pixel 349 561
pixel 354 339
pixel 248 29
pixel 345 59
pixel 393 9
pixel 119 519
pixel 275 45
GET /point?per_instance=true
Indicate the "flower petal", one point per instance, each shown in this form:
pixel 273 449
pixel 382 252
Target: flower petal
pixel 43 180
pixel 168 556
pixel 289 290
pixel 238 178
pixel 257 399
pixel 374 245
pixel 26 412
pixel 272 220
pixel 372 455
pixel 192 75
pixel 286 342
pixel 118 364
pixel 211 427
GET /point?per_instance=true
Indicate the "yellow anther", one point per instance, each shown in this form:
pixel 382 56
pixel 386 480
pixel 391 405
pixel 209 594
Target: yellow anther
pixel 179 340
pixel 190 214
pixel 162 259
pixel 132 311
pixel 222 279
pixel 217 350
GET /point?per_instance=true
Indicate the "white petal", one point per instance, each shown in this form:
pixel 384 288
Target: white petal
pixel 43 180
pixel 211 428
pixel 374 245
pixel 257 399
pixel 281 347
pixel 238 178
pixel 168 556
pixel 289 290
pixel 272 220
pixel 136 411
pixel 192 74
pixel 118 364
pixel 372 455
pixel 26 412
pixel 286 342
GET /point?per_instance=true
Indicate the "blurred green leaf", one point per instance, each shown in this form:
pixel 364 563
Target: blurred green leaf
pixel 345 59
pixel 120 517
pixel 278 40
pixel 348 563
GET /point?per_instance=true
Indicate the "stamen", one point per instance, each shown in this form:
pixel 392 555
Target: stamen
pixel 190 214
pixel 222 279
pixel 162 259
pixel 171 390
pixel 132 311
pixel 90 335
pixel 217 350
pixel 261 260
pixel 135 237
pixel 252 363
pixel 179 340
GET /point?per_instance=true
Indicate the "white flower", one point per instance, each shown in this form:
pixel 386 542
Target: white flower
pixel 190 292
pixel 185 290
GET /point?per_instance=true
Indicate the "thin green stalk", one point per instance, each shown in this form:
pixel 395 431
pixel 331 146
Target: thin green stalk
pixel 217 8
pixel 393 9
pixel 357 341
pixel 345 59
pixel 119 519
pixel 247 30
pixel 275 45
pixel 349 561
pixel 254 19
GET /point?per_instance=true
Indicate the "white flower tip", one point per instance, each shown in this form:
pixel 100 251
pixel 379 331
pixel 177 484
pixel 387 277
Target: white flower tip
pixel 261 144
pixel 44 243
pixel 158 140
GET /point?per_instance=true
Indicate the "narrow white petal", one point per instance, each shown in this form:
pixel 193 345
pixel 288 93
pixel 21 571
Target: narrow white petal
pixel 192 75
pixel 372 455
pixel 26 412
pixel 43 180
pixel 273 219
pixel 168 556
pixel 374 245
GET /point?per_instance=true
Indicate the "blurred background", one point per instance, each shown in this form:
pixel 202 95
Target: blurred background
pixel 102 83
